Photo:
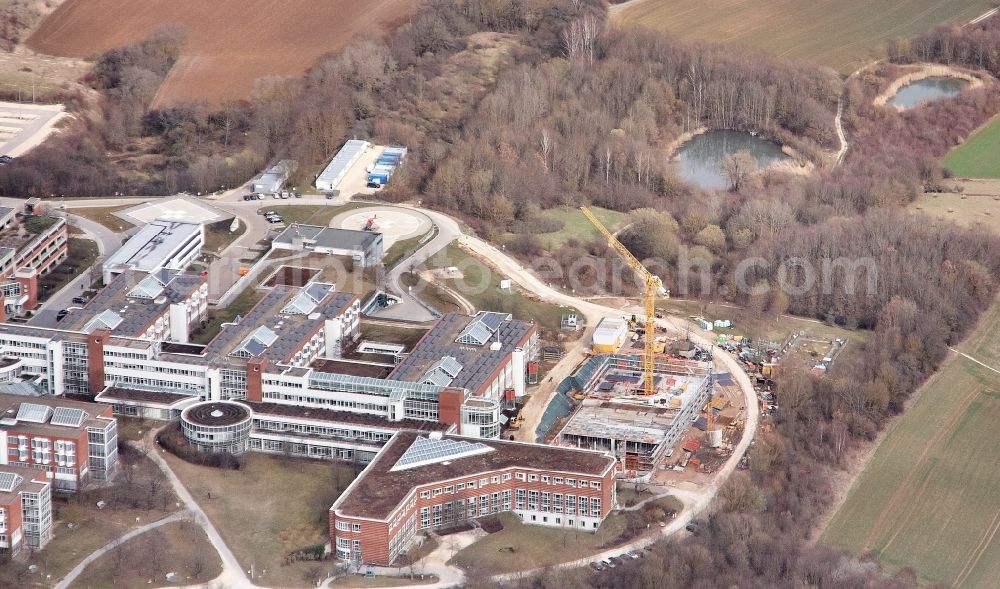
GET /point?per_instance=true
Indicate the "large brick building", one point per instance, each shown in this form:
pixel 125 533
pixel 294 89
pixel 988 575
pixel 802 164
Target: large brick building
pixel 424 481
pixel 70 441
pixel 25 509
pixel 28 248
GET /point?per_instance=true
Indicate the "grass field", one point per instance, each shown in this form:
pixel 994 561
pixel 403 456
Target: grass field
pixel 181 548
pixel 576 226
pixel 269 508
pixel 979 155
pixel 81 255
pixel 481 286
pixel 842 34
pixel 930 496
pixel 230 43
pixel 105 216
pixel 520 547
pixel 962 209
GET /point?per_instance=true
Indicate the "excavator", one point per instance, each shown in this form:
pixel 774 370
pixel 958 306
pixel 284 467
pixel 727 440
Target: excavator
pixel 653 288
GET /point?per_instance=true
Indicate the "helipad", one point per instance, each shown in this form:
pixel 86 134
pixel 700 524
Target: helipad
pixel 178 208
pixel 395 224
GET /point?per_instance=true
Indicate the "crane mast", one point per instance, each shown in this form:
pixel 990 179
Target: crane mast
pixel 652 284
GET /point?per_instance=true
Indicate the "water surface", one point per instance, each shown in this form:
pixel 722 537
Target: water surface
pixel 700 160
pixel 928 90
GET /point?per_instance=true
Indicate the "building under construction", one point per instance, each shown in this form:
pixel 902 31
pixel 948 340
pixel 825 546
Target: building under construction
pixel 617 415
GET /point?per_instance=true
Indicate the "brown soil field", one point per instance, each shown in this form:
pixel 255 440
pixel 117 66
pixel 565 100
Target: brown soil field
pixel 230 43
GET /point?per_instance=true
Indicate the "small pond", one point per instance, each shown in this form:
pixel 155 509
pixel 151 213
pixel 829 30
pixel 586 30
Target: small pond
pixel 699 161
pixel 927 90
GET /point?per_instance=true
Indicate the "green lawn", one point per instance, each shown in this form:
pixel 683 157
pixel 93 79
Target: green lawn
pixel 271 507
pixel 218 236
pixel 842 34
pixel 308 214
pixel 928 499
pixel 81 255
pixel 576 226
pixel 979 156
pixel 521 547
pixel 404 248
pixel 180 547
pixel 481 286
pixel 105 216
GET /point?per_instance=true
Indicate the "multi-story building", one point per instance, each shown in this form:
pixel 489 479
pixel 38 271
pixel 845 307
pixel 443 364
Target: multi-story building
pixel 28 249
pixel 164 305
pixel 70 441
pixel 284 360
pixel 364 247
pixel 25 509
pixel 420 482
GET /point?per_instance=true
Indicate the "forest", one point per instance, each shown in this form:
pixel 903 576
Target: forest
pixel 511 108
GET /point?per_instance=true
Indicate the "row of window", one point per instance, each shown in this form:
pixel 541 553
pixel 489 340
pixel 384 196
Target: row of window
pixel 348 526
pixel 554 502
pixel 551 480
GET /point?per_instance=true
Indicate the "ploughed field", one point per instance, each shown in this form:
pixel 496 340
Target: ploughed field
pixel 843 34
pixel 230 43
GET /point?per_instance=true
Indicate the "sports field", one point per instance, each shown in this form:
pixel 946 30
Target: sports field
pixel 843 34
pixel 930 496
pixel 230 43
pixel 979 155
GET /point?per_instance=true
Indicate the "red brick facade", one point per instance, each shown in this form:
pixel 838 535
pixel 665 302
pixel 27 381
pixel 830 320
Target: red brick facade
pixel 95 358
pixel 377 536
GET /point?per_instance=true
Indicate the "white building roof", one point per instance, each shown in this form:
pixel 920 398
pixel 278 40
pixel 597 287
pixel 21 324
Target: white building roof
pixel 153 245
pixel 338 166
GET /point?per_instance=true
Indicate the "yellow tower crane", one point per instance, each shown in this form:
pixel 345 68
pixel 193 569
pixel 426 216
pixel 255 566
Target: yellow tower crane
pixel 653 287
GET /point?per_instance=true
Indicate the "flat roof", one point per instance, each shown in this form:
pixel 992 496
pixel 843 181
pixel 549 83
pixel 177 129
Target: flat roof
pixel 329 237
pixel 621 422
pixel 216 413
pixel 153 245
pixel 343 417
pixel 112 394
pixel 11 404
pixel 291 330
pixel 125 297
pixel 342 161
pixel 379 489
pixel 352 368
pixel 478 362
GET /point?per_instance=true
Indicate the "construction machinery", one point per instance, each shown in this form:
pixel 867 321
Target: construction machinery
pixel 653 288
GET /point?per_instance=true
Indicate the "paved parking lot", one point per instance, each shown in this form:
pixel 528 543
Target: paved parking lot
pixel 23 126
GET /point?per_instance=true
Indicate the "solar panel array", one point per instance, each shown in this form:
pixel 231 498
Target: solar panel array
pixel 481 329
pixel 33 412
pixel 68 417
pixel 9 481
pixel 106 319
pixel 442 372
pixel 427 451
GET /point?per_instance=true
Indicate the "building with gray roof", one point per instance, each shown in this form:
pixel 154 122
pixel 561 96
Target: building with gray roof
pixel 335 171
pixel 364 247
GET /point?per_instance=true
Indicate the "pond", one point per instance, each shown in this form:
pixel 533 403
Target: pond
pixel 699 161
pixel 928 90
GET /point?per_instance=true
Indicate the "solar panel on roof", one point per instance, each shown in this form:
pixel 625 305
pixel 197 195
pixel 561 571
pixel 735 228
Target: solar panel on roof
pixel 254 347
pixel 33 412
pixel 450 365
pixel 427 451
pixel 68 417
pixel 9 481
pixel 318 290
pixel 493 320
pixel 302 304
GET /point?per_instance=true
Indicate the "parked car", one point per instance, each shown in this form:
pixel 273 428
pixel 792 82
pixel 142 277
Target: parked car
pixel 692 527
pixel 5 159
pixel 607 563
pixel 61 315
pixel 80 300
pixel 297 194
pixel 632 555
pixel 332 194
pixel 597 566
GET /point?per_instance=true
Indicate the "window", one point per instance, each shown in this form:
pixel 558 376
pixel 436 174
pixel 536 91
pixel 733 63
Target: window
pixel 449 489
pixel 343 526
pixel 425 517
pixel 583 484
pixel 571 482
pixel 355 527
pixel 557 480
pixel 483 482
pixel 460 487
pixel 437 492
pixel 595 506
pixel 506 477
pixel 495 480
pixel 545 479
pixel 472 484
pixel 532 477
pixel 425 494
pixel 520 476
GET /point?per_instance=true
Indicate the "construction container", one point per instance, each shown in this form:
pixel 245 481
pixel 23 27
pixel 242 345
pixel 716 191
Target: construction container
pixel 380 175
pixel 398 152
pixel 610 335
